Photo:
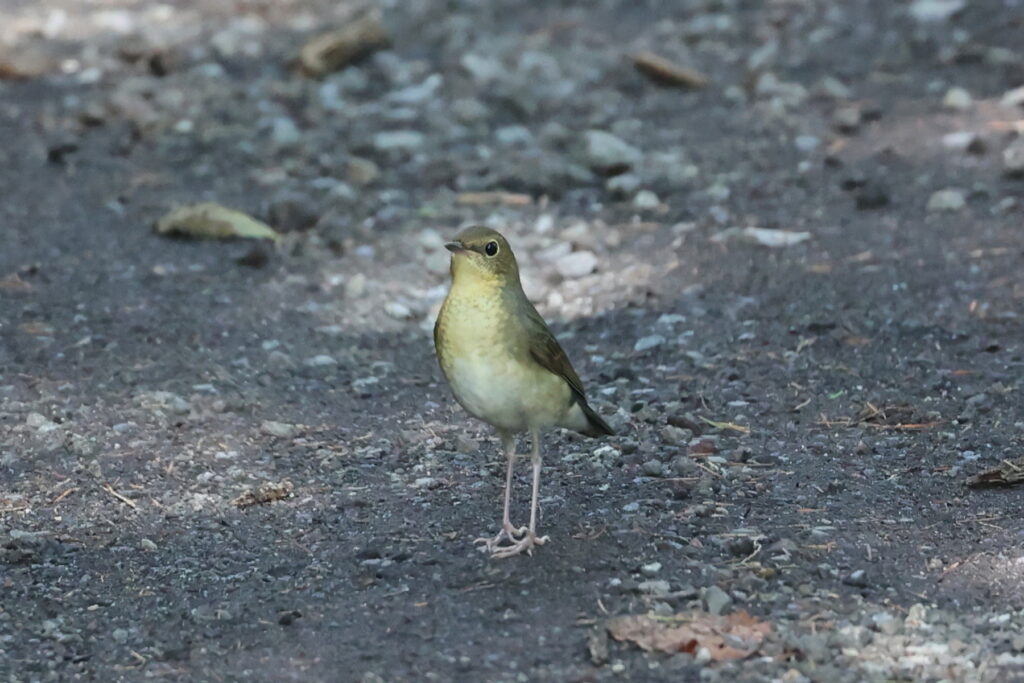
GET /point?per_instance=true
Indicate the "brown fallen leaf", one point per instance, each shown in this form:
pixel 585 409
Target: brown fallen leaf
pixel 665 72
pixel 332 51
pixel 265 493
pixel 729 637
pixel 505 198
pixel 1008 473
pixel 213 221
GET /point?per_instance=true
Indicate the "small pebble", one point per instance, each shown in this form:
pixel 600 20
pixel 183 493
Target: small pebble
pixel 648 343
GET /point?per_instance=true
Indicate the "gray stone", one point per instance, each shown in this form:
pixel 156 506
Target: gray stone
pixel 807 143
pixel 847 119
pixel 514 135
pixel 649 342
pixel 646 200
pixel 676 436
pixel 655 587
pixel 653 468
pixel 361 172
pixel 950 199
pixel 934 11
pixel 323 360
pixel 858 578
pixel 398 140
pixel 716 600
pixel 576 264
pixel 964 141
pixel 284 132
pixel 397 310
pixel 650 569
pixel 623 186
pixel 1013 159
pixel 957 99
pixel 607 153
pixel 282 430
pixel 683 466
pixel 416 94
pixel 482 69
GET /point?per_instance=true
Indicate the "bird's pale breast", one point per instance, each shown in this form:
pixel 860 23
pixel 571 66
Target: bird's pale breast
pixel 488 368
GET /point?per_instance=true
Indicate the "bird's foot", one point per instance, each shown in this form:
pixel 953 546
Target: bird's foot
pixel 507 533
pixel 526 544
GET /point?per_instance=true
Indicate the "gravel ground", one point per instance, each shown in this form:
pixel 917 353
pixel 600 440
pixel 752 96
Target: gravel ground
pixel 796 423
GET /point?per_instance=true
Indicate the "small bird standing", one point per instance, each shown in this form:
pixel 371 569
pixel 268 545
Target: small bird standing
pixel 504 365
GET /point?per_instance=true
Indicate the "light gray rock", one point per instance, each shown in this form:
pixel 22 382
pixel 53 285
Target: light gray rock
pixel 576 264
pixel 646 200
pixel 1013 159
pixel 716 600
pixel 957 99
pixel 649 342
pixel 934 11
pixel 398 140
pixel 950 199
pixel 605 152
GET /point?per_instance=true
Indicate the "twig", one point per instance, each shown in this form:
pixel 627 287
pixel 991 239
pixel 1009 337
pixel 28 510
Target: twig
pixel 127 501
pixel 63 496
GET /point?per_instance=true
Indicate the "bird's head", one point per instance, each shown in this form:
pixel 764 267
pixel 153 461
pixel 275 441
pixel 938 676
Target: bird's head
pixel 479 253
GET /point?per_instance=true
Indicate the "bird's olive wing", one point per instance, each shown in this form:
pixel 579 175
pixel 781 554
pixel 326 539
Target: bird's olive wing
pixel 546 351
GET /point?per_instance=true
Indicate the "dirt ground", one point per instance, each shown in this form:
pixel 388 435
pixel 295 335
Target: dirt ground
pixel 796 424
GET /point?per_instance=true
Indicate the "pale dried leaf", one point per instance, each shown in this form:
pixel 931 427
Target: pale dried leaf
pixel 213 221
pixel 730 637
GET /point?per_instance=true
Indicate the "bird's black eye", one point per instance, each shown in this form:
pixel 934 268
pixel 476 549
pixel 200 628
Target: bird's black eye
pixel 491 248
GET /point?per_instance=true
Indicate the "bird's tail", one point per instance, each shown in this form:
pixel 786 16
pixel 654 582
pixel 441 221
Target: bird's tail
pixel 596 426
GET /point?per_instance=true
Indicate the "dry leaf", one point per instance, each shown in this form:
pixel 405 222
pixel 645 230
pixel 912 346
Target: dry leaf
pixel 213 221
pixel 332 51
pixel 265 493
pixel 730 637
pixel 664 72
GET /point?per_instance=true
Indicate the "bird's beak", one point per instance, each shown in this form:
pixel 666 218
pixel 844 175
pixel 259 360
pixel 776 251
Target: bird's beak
pixel 455 247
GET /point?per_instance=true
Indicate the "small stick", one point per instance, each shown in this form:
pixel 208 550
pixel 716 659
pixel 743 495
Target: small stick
pixel 63 496
pixel 127 501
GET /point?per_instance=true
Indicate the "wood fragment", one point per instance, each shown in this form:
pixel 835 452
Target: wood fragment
pixel 1009 473
pixel 664 72
pixel 332 51
pixel 503 198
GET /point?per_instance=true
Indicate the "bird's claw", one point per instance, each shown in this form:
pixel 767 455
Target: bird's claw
pixel 525 544
pixel 507 533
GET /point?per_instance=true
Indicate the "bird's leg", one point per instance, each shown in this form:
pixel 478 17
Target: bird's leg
pixel 508 531
pixel 531 539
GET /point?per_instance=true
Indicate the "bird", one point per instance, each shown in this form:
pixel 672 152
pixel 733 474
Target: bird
pixel 505 367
